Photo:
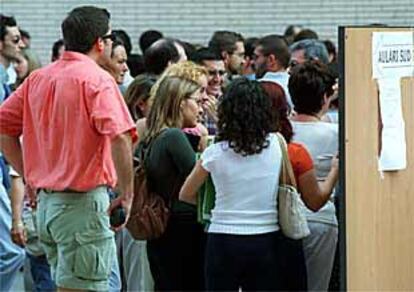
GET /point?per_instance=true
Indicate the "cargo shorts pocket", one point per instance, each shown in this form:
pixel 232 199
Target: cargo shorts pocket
pixel 93 255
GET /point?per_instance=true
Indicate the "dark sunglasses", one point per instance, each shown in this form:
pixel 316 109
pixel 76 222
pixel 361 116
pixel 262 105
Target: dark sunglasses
pixel 110 36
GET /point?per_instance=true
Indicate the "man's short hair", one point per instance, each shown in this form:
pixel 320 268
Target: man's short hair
pixel 313 50
pixel 147 38
pixel 275 45
pixel 25 34
pixel 204 54
pixel 6 21
pixel 250 45
pixel 306 34
pixel 83 26
pixel 159 54
pixel 224 41
pixel 55 49
pixel 189 48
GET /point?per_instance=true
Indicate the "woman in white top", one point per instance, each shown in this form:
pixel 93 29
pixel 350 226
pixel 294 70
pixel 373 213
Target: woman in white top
pixel 311 86
pixel 243 238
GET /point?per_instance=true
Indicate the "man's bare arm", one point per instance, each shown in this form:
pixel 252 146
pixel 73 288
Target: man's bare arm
pixel 12 151
pixel 18 233
pixel 122 158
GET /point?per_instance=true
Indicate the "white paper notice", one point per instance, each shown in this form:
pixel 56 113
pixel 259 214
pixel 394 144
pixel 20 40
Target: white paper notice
pixel 393 154
pixel 392 54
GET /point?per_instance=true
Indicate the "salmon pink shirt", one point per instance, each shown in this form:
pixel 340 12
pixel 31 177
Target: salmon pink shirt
pixel 68 112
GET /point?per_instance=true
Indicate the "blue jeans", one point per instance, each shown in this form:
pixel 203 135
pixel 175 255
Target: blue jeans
pixel 40 271
pixel 11 255
pixel 115 277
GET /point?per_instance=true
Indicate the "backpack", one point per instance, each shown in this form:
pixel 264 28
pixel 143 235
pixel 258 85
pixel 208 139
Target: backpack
pixel 149 211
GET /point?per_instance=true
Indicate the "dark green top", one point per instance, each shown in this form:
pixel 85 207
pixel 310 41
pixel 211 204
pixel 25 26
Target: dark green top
pixel 168 164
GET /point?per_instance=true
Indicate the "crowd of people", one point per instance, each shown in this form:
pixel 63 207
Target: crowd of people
pixel 71 130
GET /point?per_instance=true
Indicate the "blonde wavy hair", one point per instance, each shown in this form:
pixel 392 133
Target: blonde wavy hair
pixel 178 82
pixel 186 70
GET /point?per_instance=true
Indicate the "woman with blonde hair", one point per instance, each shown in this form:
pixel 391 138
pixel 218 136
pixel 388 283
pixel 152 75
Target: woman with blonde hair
pixel 190 71
pixel 176 258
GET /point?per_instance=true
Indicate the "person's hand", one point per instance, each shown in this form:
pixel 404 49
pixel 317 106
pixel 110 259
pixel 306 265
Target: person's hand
pixel 18 233
pixel 210 107
pixel 335 162
pixel 32 195
pixel 125 202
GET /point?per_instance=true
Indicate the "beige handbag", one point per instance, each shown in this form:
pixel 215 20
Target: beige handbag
pixel 292 219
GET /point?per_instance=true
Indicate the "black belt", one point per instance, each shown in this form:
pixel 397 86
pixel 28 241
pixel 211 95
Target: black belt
pixel 50 191
pixel 67 190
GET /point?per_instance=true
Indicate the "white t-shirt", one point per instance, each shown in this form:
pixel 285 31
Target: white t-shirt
pixel 321 140
pixel 245 188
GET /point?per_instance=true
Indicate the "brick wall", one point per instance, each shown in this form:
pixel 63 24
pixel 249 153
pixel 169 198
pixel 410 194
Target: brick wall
pixel 195 20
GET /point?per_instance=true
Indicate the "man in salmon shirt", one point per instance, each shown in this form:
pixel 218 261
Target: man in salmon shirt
pixel 77 136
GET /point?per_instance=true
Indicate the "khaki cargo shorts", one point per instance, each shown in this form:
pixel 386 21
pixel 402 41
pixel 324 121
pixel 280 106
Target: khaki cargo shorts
pixel 74 231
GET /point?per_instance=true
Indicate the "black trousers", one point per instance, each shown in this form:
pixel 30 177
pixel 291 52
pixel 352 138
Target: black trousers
pixel 292 265
pixel 251 262
pixel 176 259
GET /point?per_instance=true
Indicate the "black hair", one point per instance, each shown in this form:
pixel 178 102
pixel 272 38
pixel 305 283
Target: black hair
pixel 250 45
pixel 149 37
pixel 189 48
pixel 24 34
pixel 245 117
pixel 291 30
pixel 308 83
pixel 126 40
pixel 83 26
pixel 330 47
pixel 305 34
pixel 204 54
pixel 6 21
pixel 116 43
pixel 55 49
pixel 159 54
pixel 275 45
pixel 224 41
pixel 135 64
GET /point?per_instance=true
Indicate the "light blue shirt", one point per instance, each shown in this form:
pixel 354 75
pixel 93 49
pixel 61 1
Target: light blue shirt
pixel 3 81
pixel 281 78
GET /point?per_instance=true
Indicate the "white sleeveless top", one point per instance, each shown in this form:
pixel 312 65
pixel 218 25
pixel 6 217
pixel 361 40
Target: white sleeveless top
pixel 246 188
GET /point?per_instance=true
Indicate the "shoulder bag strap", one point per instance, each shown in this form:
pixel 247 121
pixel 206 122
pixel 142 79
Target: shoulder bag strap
pixel 287 175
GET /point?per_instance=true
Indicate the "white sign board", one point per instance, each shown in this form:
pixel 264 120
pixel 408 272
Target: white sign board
pixel 392 59
pixel 392 54
pixel 393 154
